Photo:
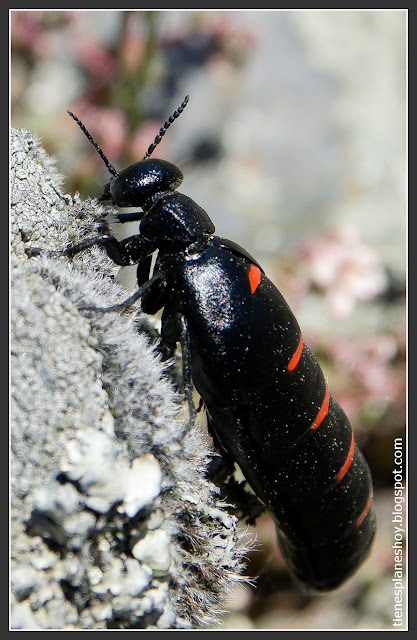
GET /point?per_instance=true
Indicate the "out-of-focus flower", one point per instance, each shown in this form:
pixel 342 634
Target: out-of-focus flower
pixel 234 39
pixel 96 60
pixel 25 28
pixel 369 361
pixel 132 49
pixel 344 268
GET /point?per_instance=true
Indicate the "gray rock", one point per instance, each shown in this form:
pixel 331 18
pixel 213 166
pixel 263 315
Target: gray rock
pixel 101 453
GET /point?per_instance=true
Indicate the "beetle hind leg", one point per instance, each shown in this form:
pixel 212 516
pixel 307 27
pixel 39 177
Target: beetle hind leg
pixel 175 329
pixel 186 367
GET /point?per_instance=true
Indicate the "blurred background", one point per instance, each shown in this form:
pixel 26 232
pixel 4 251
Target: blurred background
pixel 294 141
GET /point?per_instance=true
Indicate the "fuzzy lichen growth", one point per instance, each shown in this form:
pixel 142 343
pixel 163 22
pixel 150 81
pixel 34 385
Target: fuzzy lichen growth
pixel 114 524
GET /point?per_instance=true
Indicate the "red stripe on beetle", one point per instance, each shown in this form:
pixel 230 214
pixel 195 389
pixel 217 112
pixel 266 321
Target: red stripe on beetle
pixel 323 411
pixel 296 357
pixel 365 511
pixel 254 277
pixel 348 460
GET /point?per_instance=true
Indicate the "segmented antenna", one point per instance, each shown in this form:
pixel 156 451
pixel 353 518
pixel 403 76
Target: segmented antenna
pixel 109 166
pixel 167 124
pixel 151 148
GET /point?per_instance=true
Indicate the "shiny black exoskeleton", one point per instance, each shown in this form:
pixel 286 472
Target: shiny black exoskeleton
pixel 266 398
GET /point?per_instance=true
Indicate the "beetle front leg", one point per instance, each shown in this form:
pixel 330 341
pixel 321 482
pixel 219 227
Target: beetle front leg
pixel 71 250
pixel 136 216
pixel 114 249
pixel 123 252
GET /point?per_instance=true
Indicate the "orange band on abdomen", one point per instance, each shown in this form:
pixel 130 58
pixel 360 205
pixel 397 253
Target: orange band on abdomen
pixel 322 412
pixel 296 356
pixel 348 460
pixel 365 511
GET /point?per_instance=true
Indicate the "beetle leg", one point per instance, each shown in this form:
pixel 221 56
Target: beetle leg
pixel 114 248
pixel 126 304
pixel 143 269
pixel 71 250
pixel 186 366
pixel 136 216
pixel 175 328
pixel 123 252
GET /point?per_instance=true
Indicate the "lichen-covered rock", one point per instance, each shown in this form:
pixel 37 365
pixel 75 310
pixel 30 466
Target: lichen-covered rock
pixel 113 522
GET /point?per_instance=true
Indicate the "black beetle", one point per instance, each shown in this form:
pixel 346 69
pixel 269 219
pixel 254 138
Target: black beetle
pixel 266 398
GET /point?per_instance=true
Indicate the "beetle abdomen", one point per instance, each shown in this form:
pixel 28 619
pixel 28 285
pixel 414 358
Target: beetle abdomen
pixel 269 405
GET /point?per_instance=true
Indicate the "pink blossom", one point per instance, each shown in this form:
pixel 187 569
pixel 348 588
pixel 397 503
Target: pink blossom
pixel 370 361
pixel 25 28
pixel 344 268
pixel 99 62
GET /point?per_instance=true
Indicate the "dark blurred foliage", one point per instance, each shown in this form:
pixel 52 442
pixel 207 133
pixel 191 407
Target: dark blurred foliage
pixel 125 81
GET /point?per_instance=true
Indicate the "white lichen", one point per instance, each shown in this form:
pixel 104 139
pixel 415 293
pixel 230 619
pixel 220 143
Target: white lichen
pixel 114 524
